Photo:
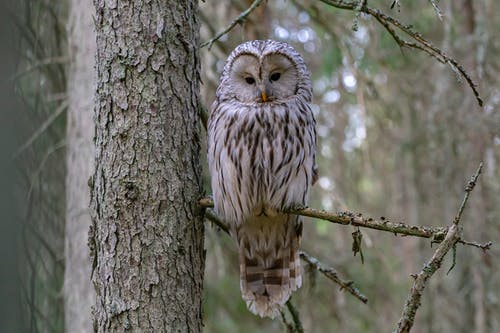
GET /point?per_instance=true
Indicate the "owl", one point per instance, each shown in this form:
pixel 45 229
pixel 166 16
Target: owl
pixel 261 155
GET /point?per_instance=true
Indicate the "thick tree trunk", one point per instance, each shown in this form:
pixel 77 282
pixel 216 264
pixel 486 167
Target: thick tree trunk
pixel 147 233
pixel 79 293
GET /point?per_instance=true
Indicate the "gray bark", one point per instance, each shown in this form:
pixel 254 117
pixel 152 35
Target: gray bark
pixel 147 234
pixel 79 293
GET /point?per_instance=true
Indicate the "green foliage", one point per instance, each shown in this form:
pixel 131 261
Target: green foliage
pixel 332 60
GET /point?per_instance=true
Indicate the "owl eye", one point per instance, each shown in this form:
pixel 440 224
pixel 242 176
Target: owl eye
pixel 275 76
pixel 250 80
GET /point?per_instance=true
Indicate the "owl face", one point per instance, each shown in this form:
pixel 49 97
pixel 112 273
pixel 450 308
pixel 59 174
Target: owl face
pixel 264 78
pixel 263 71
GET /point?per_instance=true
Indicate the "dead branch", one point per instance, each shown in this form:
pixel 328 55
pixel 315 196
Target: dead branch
pixel 331 274
pixel 239 20
pixel 452 237
pixel 436 234
pixel 391 24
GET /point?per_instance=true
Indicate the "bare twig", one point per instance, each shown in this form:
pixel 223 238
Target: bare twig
pixel 438 11
pixel 452 237
pixel 36 175
pixel 44 62
pixel 240 19
pixel 331 274
pixel 42 128
pixel 422 44
pixel 484 246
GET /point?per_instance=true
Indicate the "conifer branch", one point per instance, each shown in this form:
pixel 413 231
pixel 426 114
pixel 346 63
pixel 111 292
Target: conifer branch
pixel 239 20
pixel 393 25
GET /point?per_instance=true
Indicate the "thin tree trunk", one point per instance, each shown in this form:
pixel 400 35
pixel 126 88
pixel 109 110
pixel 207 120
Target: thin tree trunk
pixel 147 233
pixel 79 293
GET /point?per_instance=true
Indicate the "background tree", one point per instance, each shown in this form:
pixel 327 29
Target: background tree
pixel 147 235
pixel 12 208
pixel 39 154
pixel 79 294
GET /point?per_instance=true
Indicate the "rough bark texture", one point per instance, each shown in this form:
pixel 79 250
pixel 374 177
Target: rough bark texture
pixel 79 293
pixel 147 233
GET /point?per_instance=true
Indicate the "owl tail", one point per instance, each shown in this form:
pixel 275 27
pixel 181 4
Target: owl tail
pixel 269 262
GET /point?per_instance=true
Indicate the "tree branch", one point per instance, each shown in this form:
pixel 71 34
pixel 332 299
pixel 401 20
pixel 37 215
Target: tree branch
pixel 436 234
pixel 422 44
pixel 332 275
pixel 452 237
pixel 240 19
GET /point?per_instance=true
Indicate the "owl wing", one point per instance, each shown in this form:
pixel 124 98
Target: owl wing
pixel 228 187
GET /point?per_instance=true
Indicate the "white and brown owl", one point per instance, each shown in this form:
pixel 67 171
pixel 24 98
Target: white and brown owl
pixel 261 155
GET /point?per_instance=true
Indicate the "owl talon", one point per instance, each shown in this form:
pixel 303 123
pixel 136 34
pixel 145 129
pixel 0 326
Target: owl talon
pixel 299 207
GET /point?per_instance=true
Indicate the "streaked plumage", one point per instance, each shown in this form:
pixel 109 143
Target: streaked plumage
pixel 261 155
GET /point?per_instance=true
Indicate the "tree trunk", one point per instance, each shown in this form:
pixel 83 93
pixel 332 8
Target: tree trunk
pixel 147 234
pixel 79 293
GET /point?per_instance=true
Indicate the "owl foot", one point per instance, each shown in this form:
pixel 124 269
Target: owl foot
pixel 298 207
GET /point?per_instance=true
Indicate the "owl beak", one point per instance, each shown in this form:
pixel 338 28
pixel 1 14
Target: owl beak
pixel 264 96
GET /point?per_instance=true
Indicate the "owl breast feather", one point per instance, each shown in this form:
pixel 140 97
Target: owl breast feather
pixel 260 156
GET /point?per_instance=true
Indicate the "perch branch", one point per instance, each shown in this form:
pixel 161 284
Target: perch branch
pixel 452 237
pixel 215 219
pixel 240 19
pixel 422 44
pixel 436 234
pixel 326 271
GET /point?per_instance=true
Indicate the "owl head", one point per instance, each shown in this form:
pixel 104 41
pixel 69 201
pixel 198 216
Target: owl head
pixel 264 71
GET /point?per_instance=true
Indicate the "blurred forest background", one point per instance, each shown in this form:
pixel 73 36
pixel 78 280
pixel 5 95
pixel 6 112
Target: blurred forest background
pixel 399 135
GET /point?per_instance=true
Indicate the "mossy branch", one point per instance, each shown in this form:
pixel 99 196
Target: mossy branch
pixel 436 234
